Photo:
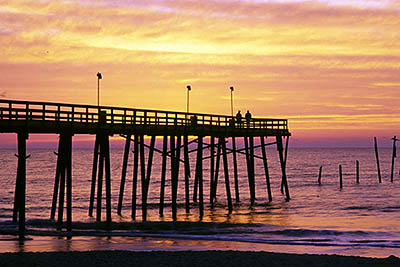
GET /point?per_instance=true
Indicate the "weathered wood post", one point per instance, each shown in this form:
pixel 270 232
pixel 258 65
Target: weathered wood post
pixel 69 180
pixel 217 163
pixel 187 172
pixel 135 175
pixel 61 197
pixel 283 165
pixel 20 192
pixel 212 151
pixel 357 172
pixel 199 173
pixel 163 174
pixel 107 166
pixel 226 174
pixel 253 183
pixel 56 185
pixel 340 177
pixel 319 175
pixel 100 178
pixel 123 174
pixel 393 156
pixel 235 170
pixel 143 177
pixel 377 160
pixel 175 156
pixel 246 148
pixel 264 155
pixel 94 174
pixel 285 159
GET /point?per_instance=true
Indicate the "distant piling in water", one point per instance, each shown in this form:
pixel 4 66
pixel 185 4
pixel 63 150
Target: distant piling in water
pixel 340 177
pixel 357 172
pixel 393 156
pixel 319 175
pixel 377 160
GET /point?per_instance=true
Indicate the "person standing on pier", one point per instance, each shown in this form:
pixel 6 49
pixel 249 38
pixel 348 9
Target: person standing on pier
pixel 239 118
pixel 248 118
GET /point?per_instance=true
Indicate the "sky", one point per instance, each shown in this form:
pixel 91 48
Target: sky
pixel 332 68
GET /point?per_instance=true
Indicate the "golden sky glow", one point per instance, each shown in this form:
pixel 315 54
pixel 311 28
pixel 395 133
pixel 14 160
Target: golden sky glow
pixel 330 67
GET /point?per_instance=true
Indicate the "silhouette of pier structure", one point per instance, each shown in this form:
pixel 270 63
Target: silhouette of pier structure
pixel 173 128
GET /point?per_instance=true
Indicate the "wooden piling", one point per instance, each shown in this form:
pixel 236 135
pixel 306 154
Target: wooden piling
pixel 107 178
pixel 246 148
pixel 264 155
pixel 393 156
pixel 68 162
pixel 187 172
pixel 100 178
pixel 61 196
pixel 22 136
pixel 123 174
pixel 94 174
pixel 199 174
pixel 150 164
pixel 173 166
pixel 340 177
pixel 251 157
pixel 283 165
pixel 217 164
pixel 235 170
pixel 226 174
pixel 319 175
pixel 377 160
pixel 56 185
pixel 135 175
pixel 357 172
pixel 175 175
pixel 285 159
pixel 163 174
pixel 212 161
pixel 143 178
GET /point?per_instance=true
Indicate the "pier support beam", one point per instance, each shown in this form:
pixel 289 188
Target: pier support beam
pixel 212 161
pixel 187 172
pixel 216 175
pixel 63 182
pixel 175 160
pixel 123 174
pixel 163 174
pixel 283 165
pixel 235 170
pixel 20 186
pixel 226 174
pixel 264 155
pixel 135 175
pixel 199 174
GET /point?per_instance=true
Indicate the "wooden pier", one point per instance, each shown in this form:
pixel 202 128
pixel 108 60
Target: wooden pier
pixel 177 129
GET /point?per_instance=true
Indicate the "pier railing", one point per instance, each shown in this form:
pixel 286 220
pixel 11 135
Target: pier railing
pixel 89 114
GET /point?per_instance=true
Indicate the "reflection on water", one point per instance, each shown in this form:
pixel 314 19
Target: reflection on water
pixel 360 219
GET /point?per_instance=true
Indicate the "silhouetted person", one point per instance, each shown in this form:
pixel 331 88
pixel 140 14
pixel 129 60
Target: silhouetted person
pixel 248 118
pixel 193 120
pixel 239 118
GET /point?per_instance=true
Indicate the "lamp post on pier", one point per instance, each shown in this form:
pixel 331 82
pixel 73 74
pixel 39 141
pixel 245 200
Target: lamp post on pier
pixel 232 89
pixel 189 88
pixel 99 77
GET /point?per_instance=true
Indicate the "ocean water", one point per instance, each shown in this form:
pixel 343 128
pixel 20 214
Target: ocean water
pixel 359 219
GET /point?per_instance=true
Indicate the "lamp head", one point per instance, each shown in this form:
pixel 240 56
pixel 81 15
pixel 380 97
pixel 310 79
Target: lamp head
pixel 189 88
pixel 232 89
pixel 99 76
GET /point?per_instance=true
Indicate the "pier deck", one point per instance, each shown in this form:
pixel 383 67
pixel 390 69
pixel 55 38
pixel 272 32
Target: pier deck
pixel 66 120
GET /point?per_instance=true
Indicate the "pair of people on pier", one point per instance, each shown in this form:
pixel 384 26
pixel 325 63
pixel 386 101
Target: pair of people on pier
pixel 239 118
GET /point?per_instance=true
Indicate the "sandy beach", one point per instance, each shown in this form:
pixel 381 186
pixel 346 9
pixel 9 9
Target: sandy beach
pixel 186 258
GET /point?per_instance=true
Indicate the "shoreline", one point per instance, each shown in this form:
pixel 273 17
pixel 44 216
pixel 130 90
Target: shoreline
pixel 185 258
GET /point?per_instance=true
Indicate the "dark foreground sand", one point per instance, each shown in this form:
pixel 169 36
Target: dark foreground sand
pixel 189 258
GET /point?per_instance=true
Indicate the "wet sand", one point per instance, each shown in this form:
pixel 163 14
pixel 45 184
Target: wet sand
pixel 185 258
